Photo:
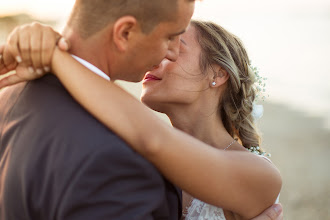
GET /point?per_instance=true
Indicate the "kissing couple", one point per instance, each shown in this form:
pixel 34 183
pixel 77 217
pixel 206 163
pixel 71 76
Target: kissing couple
pixel 74 145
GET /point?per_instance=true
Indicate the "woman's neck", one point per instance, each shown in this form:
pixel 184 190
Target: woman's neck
pixel 204 125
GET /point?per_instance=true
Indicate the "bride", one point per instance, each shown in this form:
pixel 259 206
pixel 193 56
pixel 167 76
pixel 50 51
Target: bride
pixel 208 93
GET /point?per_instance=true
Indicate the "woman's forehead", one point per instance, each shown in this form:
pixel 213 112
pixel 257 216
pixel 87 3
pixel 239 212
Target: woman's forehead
pixel 189 37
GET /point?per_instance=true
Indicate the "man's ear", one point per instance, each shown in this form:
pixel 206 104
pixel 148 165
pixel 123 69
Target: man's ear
pixel 220 77
pixel 123 28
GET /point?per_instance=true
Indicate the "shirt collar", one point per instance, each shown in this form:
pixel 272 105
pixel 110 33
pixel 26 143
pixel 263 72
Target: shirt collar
pixel 91 67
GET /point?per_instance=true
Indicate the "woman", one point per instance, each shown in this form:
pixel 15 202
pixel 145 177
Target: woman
pixel 208 93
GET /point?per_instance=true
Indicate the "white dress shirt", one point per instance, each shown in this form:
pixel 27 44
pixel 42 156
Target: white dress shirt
pixel 91 67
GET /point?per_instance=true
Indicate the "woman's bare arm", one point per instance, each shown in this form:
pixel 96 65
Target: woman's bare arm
pixel 238 181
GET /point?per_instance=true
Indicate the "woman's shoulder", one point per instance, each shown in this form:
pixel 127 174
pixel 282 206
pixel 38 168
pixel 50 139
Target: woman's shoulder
pixel 266 158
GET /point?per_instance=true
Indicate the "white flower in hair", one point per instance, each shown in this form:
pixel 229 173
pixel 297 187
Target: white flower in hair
pixel 260 84
pixel 257 111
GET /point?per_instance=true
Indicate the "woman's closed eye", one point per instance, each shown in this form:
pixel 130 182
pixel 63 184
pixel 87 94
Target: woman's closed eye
pixel 183 42
pixel 183 46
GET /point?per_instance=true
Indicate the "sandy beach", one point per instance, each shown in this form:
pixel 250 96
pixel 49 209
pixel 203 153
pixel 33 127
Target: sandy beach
pixel 300 148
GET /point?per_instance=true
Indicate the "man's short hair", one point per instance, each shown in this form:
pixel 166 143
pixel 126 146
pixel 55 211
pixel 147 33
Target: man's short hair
pixel 91 16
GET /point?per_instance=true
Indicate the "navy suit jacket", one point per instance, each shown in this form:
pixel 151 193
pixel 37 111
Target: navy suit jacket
pixel 58 162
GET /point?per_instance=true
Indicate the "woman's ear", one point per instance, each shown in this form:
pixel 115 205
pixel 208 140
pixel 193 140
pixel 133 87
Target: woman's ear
pixel 220 77
pixel 123 29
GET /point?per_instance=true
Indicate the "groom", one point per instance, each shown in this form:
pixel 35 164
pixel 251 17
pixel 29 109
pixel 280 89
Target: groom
pixel 56 160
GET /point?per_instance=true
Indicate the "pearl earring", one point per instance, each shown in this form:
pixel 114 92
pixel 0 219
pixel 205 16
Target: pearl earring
pixel 214 83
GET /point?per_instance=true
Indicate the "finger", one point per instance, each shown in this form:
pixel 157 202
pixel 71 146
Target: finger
pixel 3 67
pixel 24 46
pixel 10 80
pixel 49 41
pixel 64 44
pixel 35 49
pixel 280 217
pixel 8 60
pixel 274 211
pixel 2 48
pixel 12 44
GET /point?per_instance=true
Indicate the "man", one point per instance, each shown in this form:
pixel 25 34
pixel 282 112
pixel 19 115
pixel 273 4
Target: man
pixel 57 161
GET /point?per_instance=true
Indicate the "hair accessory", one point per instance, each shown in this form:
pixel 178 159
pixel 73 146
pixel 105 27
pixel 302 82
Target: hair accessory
pixel 214 83
pixel 256 150
pixel 260 83
pixel 257 111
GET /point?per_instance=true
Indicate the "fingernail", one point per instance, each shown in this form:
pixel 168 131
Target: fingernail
pixel 64 43
pixel 0 56
pixel 39 71
pixel 47 69
pixel 18 59
pixel 277 208
pixel 31 70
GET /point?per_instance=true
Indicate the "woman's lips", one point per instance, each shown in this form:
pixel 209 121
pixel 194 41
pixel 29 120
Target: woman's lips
pixel 150 77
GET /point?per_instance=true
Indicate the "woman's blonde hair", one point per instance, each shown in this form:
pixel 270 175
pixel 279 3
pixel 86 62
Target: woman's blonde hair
pixel 226 50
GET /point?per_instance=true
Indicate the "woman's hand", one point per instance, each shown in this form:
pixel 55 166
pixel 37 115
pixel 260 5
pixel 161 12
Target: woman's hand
pixel 29 51
pixel 275 212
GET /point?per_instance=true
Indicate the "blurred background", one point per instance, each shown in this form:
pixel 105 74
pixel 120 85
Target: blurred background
pixel 289 42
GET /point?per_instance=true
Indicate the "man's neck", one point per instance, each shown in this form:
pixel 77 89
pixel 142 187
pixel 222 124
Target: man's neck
pixel 90 49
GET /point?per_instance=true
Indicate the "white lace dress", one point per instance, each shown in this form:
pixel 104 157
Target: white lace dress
pixel 199 210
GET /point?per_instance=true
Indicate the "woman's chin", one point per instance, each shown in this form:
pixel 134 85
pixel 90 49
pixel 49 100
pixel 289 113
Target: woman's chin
pixel 152 104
